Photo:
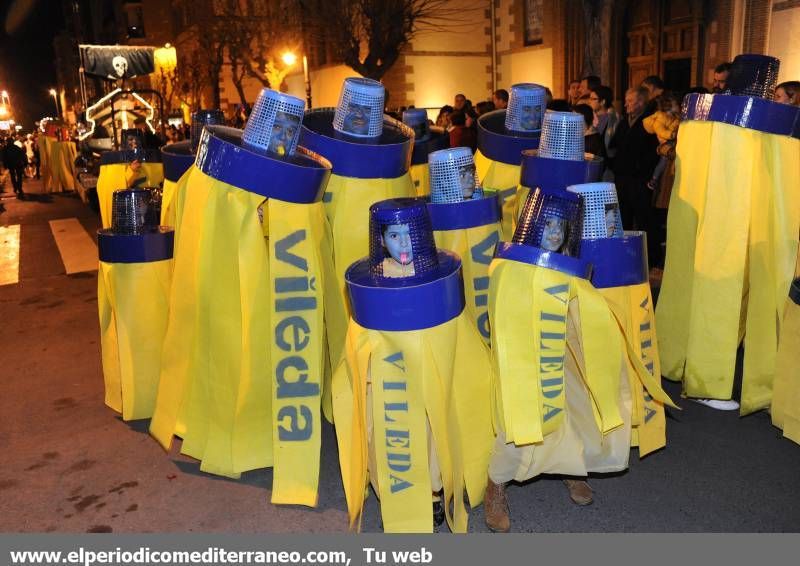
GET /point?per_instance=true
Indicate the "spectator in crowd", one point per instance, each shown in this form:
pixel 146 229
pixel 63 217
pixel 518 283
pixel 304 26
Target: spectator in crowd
pixel 788 93
pixel 559 105
pixel 36 156
pixel 459 102
pixel 664 124
pixel 443 119
pixel 460 134
pixel 593 143
pixel 483 107
pixel 573 92
pixel 15 160
pixel 721 72
pixel 633 166
pixel 655 87
pixel 606 119
pixel 588 83
pixel 500 99
pixel 28 144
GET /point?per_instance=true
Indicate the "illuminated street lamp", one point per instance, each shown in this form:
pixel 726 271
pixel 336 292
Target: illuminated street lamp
pixel 54 94
pixel 289 58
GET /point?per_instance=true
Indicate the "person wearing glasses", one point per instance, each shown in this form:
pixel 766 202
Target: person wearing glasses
pixel 606 119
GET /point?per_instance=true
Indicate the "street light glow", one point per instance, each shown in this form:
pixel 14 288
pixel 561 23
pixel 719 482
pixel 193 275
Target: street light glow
pixel 52 92
pixel 289 58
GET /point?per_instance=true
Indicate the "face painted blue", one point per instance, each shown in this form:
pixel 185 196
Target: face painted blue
pixel 284 130
pixel 530 117
pixel 553 233
pixel 356 121
pixel 397 240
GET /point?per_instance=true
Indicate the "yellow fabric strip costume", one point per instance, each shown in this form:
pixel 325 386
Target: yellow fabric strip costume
pixel 730 253
pixel 498 164
pixel 177 159
pixel 786 398
pixel 620 274
pixel 132 295
pixel 471 230
pixel 363 173
pixel 62 175
pixel 411 398
pixel 534 377
pixel 116 173
pixel 242 367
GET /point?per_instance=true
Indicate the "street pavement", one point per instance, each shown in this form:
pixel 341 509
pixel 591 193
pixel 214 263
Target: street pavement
pixel 72 465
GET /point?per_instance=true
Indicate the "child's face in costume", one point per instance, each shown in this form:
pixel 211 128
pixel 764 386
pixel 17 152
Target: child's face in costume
pixel 397 241
pixel 284 130
pixel 553 233
pixel 466 179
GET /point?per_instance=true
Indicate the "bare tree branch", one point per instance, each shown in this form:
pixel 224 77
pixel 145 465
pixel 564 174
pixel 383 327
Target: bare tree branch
pixel 369 35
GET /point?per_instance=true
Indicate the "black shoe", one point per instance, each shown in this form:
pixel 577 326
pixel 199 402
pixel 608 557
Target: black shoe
pixel 438 513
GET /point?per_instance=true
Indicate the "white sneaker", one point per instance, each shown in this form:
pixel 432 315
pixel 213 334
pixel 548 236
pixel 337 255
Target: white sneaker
pixel 718 404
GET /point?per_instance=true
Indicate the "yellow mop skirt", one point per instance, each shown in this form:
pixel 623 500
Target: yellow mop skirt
pixel 497 163
pixel 133 301
pixel 731 245
pixel 116 173
pixel 412 402
pixel 242 366
pixel 45 143
pixel 177 159
pixel 563 400
pixel 620 274
pixel 62 175
pixel 363 174
pixel 786 398
pixel 471 230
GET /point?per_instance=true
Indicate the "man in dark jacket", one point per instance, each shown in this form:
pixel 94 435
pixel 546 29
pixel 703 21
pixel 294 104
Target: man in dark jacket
pixel 635 160
pixel 15 159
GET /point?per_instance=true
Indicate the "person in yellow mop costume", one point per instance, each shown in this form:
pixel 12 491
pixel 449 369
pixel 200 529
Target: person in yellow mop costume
pixel 621 275
pixel 560 160
pixel 731 238
pixel 557 355
pixel 242 367
pixel 411 399
pixel 426 140
pixel 132 166
pixel 465 221
pixel 177 159
pixel 502 137
pixel 370 154
pixel 133 284
pixel 785 408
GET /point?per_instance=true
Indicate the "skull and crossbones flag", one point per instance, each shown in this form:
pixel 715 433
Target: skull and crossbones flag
pixel 115 62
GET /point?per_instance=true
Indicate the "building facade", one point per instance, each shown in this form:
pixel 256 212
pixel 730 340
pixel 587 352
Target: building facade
pixel 482 45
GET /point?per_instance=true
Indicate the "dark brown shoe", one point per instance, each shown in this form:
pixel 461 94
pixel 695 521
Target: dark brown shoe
pixel 579 492
pixel 495 508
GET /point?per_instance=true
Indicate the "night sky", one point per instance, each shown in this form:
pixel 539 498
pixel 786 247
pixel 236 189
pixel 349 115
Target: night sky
pixel 27 68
